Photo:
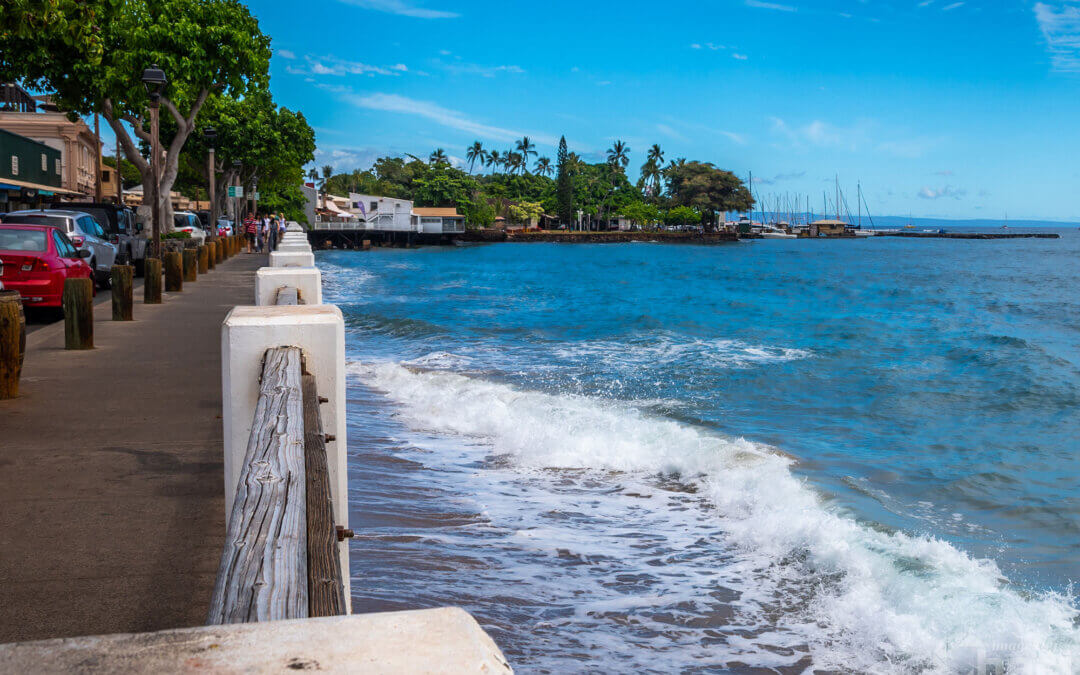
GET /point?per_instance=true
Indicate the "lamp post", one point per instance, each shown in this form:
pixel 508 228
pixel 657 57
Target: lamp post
pixel 236 200
pixel 154 80
pixel 210 135
pixel 255 196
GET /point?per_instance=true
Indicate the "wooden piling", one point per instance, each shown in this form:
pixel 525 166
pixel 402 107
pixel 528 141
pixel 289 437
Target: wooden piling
pixel 204 259
pixel 211 255
pixel 12 342
pixel 152 282
pixel 191 264
pixel 78 307
pixel 123 278
pixel 174 272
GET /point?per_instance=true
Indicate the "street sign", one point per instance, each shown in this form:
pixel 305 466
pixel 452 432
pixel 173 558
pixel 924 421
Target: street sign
pixel 236 191
pixel 256 196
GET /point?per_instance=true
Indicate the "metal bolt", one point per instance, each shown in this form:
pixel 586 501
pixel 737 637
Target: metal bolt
pixel 330 437
pixel 323 399
pixel 343 534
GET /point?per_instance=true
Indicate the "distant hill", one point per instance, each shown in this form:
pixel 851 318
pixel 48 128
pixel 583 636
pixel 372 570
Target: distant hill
pixel 982 223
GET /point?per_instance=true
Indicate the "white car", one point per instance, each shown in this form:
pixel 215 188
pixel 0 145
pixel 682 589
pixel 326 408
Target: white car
pixel 186 221
pixel 83 231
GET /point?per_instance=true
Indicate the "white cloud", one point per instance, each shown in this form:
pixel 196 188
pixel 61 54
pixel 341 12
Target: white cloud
pixel 286 54
pixel 331 65
pixel 459 68
pixel 668 131
pixel 949 8
pixel 444 116
pixel 759 4
pixel 1060 25
pixel 402 8
pixel 946 192
pixel 859 136
pixel 740 57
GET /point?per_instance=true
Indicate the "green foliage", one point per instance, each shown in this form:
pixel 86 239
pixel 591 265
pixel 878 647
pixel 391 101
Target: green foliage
pixel 704 187
pixel 480 213
pixel 564 190
pixel 176 234
pixel 682 215
pixel 641 214
pixel 523 212
pixel 129 174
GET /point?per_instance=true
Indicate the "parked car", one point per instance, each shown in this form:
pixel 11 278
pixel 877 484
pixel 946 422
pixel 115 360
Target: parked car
pixel 37 260
pixel 83 231
pixel 224 227
pixel 186 221
pixel 122 230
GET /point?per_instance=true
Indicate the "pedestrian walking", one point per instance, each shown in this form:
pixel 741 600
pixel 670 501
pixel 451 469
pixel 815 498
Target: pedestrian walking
pixel 271 235
pixel 250 226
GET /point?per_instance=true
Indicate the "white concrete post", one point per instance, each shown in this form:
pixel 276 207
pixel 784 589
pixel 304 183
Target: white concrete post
pixel 294 247
pixel 292 259
pixel 308 280
pixel 319 331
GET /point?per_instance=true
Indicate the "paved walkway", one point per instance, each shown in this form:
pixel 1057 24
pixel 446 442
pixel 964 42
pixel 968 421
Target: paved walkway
pixel 111 484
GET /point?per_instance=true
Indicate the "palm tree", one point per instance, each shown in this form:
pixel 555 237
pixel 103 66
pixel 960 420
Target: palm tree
pixel 515 162
pixel 619 155
pixel 327 172
pixel 475 153
pixel 543 167
pixel 656 155
pixel 438 157
pixel 494 160
pixel 526 148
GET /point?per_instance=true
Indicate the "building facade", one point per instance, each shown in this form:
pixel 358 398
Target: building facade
pixel 79 149
pixel 30 172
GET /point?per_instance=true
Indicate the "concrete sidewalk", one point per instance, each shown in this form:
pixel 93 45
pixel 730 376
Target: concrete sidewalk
pixel 111 483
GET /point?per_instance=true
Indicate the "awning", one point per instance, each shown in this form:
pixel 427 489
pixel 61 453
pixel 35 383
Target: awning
pixel 12 184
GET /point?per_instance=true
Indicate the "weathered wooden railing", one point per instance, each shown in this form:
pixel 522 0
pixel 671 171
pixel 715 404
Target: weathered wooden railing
pixel 281 558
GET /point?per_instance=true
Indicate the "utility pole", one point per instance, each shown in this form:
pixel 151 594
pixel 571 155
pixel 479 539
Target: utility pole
pixel 97 158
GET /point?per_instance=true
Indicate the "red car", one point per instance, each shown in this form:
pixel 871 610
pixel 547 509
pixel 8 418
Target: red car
pixel 37 259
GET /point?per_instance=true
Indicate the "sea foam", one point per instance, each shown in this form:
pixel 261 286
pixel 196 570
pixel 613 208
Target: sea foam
pixel 856 598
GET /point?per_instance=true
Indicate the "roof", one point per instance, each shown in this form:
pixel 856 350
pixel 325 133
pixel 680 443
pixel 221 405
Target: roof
pixel 437 211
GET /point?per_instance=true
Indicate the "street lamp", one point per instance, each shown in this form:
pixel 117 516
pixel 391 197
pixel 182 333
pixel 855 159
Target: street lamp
pixel 236 200
pixel 154 80
pixel 210 136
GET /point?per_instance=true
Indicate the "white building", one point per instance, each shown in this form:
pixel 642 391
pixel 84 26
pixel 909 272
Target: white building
pixel 383 213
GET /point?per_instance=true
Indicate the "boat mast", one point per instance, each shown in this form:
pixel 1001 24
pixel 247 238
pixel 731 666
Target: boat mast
pixel 859 187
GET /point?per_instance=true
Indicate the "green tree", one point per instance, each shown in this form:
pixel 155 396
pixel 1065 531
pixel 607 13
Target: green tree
pixel 682 215
pixel 564 192
pixel 523 213
pixel 619 155
pixel 710 190
pixel 90 54
pixel 543 167
pixel 474 154
pixel 493 160
pixel 438 157
pixel 641 214
pixel 129 173
pixel 525 148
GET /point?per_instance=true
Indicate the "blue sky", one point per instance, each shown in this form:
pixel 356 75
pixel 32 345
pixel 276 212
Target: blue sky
pixel 941 108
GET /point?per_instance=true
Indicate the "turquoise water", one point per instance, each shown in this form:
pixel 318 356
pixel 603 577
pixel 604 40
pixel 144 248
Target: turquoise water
pixel 859 455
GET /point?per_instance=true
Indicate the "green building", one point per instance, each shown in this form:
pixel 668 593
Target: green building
pixel 29 172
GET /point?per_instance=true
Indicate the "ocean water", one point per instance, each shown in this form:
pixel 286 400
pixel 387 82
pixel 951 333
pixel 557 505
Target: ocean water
pixel 770 456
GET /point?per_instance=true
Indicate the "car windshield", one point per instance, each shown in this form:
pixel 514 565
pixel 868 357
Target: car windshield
pixel 38 219
pixel 12 239
pixel 95 227
pixel 101 215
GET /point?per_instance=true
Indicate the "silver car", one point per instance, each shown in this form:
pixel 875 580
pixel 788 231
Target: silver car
pixel 83 230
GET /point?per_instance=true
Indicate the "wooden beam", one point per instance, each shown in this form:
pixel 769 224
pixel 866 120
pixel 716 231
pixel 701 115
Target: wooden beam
pixel 326 594
pixel 263 574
